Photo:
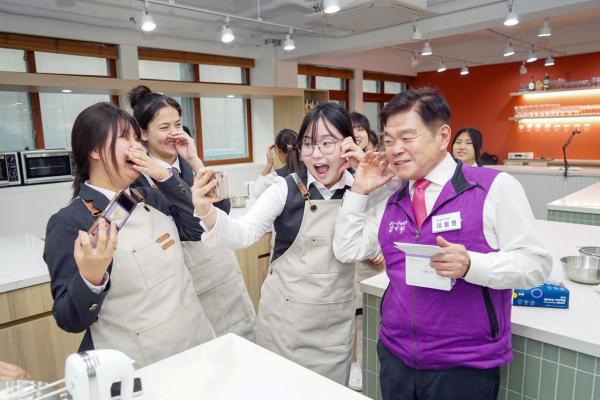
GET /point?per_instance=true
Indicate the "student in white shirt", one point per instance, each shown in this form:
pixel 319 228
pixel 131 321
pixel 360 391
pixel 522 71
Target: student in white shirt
pixel 466 146
pixel 216 273
pixel 285 150
pixel 306 310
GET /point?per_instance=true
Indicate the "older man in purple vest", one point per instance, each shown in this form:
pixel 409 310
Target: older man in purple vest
pixel 440 338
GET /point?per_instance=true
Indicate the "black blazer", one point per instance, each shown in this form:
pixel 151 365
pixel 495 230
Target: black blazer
pixel 76 307
pixel 187 175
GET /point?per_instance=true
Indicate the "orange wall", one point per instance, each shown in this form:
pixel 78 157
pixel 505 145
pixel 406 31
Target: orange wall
pixel 481 100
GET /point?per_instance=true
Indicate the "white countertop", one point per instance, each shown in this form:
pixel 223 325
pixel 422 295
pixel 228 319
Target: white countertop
pixel 576 328
pixel 230 367
pixel 583 201
pixel 551 170
pixel 22 264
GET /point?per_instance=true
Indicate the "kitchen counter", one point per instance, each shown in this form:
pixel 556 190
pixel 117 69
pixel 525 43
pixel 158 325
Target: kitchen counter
pixel 22 264
pixel 583 201
pixel 230 367
pixel 548 170
pixel 576 328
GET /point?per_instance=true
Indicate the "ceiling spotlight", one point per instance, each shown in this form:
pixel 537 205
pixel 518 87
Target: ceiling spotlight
pixel 148 24
pixel 227 35
pixel 464 70
pixel 414 61
pixel 512 18
pixel 331 6
pixel 442 66
pixel 66 91
pixel 416 35
pixel 549 61
pixel 288 43
pixel 523 68
pixel 508 50
pixel 545 30
pixel 531 57
pixel 426 49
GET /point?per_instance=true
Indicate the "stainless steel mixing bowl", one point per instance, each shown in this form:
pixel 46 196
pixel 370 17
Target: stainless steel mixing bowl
pixel 582 269
pixel 593 251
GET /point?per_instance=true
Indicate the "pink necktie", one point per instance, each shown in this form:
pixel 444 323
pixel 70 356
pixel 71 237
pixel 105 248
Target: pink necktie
pixel 418 201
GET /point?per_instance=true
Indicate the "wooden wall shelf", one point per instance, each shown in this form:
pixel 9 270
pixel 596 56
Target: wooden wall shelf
pixel 557 91
pixel 55 83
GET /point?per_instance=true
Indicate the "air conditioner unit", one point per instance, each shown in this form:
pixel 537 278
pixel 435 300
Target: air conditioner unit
pixel 366 15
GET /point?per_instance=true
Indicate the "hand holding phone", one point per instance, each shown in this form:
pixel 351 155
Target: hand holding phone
pixel 117 211
pixel 93 262
pixel 220 190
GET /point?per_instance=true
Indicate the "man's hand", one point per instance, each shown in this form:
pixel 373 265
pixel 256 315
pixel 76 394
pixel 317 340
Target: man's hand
pixel 454 263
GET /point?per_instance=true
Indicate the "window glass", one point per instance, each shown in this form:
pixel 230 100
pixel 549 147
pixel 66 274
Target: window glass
pixel 59 111
pixel 218 73
pixel 393 87
pixel 168 71
pixel 16 129
pixel 187 114
pixel 56 63
pixel 224 128
pixel 303 81
pixel 371 111
pixel 325 82
pixel 12 60
pixel 370 86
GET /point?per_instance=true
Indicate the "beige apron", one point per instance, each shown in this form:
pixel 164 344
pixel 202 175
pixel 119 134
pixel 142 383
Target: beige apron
pixel 306 311
pixel 151 311
pixel 221 289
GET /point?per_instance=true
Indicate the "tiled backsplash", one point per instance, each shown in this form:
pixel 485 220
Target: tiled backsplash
pixel 539 371
pixel 574 217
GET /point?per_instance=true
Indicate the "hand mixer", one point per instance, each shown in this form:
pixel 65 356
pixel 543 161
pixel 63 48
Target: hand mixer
pixel 88 376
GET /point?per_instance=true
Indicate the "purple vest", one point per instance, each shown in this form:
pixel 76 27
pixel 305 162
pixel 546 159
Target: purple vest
pixel 468 326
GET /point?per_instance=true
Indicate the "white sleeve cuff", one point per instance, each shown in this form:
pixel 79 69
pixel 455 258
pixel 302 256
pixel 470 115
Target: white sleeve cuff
pixel 211 237
pixel 96 289
pixel 354 202
pixel 479 271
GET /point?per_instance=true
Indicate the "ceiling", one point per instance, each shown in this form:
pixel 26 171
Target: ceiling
pixel 459 30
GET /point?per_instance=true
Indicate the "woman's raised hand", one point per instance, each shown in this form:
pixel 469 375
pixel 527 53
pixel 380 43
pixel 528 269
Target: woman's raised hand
pixel 94 261
pixel 351 152
pixel 372 172
pixel 147 165
pixel 186 149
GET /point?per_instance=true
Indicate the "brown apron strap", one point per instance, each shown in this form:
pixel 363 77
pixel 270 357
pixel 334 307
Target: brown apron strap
pixel 93 210
pixel 139 197
pixel 305 193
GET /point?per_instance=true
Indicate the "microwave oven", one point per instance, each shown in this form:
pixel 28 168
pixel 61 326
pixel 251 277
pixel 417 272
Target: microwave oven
pixel 49 165
pixel 9 169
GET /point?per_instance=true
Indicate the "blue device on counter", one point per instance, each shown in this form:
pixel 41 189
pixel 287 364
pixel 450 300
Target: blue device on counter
pixel 548 294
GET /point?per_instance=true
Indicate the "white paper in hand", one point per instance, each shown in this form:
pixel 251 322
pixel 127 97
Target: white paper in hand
pixel 418 270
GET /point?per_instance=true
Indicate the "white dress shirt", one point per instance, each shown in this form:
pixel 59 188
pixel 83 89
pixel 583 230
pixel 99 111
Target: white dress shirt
pixel 257 187
pixel 245 231
pixel 523 260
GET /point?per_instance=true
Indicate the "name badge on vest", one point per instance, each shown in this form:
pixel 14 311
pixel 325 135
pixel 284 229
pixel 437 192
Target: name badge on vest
pixel 446 222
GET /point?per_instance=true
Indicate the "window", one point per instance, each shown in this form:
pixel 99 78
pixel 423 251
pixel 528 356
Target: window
pixel 54 63
pixel 333 79
pixel 378 89
pixel 370 86
pixel 12 60
pixel 162 70
pixel 221 126
pixel 303 81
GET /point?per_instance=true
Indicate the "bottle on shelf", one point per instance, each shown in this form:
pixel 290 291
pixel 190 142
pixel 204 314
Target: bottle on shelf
pixel 539 85
pixel 531 85
pixel 546 84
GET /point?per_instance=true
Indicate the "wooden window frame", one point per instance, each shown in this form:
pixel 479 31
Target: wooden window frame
pixel 183 57
pixel 30 44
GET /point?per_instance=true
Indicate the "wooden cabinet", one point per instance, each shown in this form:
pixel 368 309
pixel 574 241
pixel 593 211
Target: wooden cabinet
pixel 29 336
pixel 254 262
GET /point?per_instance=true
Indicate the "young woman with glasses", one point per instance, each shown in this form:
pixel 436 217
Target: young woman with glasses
pixel 306 310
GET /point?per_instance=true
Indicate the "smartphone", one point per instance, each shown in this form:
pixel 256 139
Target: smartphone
pixel 118 210
pixel 115 389
pixel 221 190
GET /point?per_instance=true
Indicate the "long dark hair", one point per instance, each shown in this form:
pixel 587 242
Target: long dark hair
pixel 90 130
pixel 332 114
pixel 146 104
pixel 360 121
pixel 476 139
pixel 286 141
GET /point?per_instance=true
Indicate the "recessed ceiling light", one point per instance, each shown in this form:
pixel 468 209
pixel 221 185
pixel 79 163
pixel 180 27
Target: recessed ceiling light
pixel 230 96
pixel 66 90
pixel 331 6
